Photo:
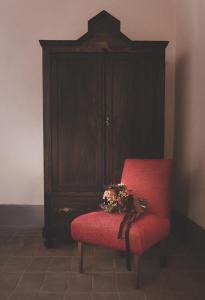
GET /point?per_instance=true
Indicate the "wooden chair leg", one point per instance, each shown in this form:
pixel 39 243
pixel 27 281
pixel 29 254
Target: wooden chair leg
pixel 137 259
pixel 80 257
pixel 163 252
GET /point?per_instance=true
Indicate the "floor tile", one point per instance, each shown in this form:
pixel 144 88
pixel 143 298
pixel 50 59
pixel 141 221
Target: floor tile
pixel 23 296
pixel 104 282
pixel 179 281
pixel 105 296
pixel 29 232
pixel 80 282
pixel 26 250
pixel 198 280
pixel 126 281
pixel 60 264
pixel 159 295
pixel 9 280
pixel 32 240
pixel 197 277
pixel 4 294
pixel 7 250
pixel 186 262
pixel 78 296
pixel 30 282
pixel 16 241
pixel 154 283
pixel 42 251
pixel 4 239
pixel 7 231
pixel 188 296
pixel 62 250
pixel 8 283
pixel 103 263
pixel 176 247
pixel 39 264
pixel 138 295
pixel 3 261
pixel 50 296
pixel 55 283
pixel 17 264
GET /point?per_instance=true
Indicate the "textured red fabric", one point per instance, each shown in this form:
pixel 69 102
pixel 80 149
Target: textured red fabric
pixel 101 228
pixel 150 179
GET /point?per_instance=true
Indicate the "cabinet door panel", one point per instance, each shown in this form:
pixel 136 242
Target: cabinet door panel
pixel 134 95
pixel 77 114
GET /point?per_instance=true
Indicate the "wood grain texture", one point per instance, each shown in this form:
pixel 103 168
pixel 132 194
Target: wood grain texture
pixel 77 126
pixel 135 97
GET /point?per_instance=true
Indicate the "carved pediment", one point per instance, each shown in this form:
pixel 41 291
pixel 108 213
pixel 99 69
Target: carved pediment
pixel 104 23
pixel 104 31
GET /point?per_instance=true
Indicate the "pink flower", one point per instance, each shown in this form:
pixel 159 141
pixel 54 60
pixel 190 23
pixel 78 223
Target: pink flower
pixel 110 195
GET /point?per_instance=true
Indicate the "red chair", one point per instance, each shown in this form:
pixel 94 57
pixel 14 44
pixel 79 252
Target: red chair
pixel 149 179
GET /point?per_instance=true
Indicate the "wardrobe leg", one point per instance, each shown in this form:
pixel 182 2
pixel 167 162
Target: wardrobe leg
pixel 137 260
pixel 163 252
pixel 80 257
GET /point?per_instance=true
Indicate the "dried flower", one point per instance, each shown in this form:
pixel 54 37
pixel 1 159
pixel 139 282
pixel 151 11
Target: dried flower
pixel 115 198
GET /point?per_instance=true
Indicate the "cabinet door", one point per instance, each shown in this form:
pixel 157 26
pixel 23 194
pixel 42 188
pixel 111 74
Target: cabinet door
pixel 135 107
pixel 77 129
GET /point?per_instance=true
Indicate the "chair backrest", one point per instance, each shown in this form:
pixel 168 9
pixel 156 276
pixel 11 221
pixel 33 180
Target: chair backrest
pixel 150 179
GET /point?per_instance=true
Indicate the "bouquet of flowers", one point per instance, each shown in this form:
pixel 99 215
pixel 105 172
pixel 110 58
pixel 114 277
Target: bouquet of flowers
pixel 115 198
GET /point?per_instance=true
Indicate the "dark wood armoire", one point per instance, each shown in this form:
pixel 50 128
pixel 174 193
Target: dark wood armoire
pixel 103 102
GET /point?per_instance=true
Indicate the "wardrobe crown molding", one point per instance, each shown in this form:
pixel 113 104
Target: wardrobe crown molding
pixel 104 34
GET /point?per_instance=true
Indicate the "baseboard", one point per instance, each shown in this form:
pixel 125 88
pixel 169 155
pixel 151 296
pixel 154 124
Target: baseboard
pixel 188 231
pixel 20 216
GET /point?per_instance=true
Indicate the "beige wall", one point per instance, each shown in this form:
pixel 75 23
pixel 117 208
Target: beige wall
pixel 22 24
pixel 190 109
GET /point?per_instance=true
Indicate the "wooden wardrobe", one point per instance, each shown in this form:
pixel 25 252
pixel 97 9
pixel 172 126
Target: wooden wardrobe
pixel 103 102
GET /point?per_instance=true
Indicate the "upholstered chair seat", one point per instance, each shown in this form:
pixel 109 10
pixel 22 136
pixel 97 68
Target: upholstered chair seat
pixel 101 228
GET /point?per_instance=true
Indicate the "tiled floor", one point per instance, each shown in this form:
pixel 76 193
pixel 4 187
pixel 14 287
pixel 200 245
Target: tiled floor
pixel 30 271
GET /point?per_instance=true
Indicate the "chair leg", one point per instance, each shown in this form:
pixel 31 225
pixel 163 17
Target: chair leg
pixel 163 252
pixel 80 257
pixel 137 260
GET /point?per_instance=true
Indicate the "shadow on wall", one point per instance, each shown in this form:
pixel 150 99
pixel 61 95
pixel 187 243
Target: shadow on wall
pixel 189 165
pixel 181 136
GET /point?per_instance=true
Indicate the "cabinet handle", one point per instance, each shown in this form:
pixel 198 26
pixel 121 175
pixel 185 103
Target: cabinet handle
pixel 65 209
pixel 107 121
